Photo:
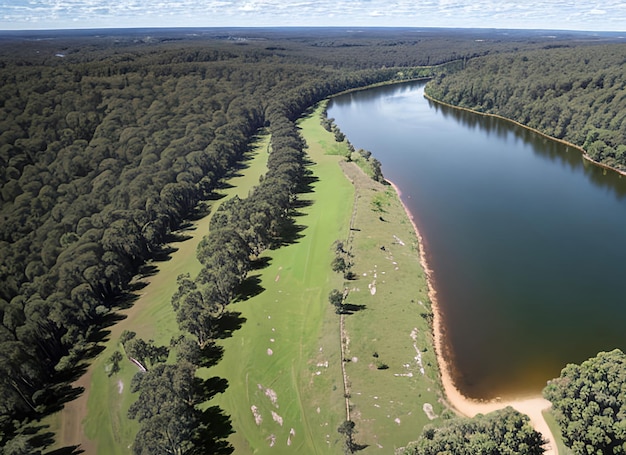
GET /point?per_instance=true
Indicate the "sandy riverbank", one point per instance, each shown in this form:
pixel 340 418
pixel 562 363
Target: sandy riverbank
pixel 531 406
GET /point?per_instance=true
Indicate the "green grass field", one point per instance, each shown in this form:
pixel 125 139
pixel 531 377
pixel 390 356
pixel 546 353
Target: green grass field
pixel 289 345
pixel 390 405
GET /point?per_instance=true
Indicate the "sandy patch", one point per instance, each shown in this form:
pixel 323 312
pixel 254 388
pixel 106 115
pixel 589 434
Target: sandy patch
pixel 257 415
pixel 278 419
pixel 120 386
pixel 418 353
pixel 292 433
pixel 269 393
pixel 272 439
pixel 429 411
pixel 269 351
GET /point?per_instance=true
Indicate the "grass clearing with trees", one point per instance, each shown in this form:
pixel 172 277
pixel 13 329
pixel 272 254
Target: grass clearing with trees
pixel 283 366
pixel 394 382
pixel 98 419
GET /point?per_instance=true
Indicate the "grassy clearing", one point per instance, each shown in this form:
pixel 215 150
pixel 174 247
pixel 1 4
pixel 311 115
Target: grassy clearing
pixel 289 345
pixel 394 379
pixel 562 449
pixel 97 420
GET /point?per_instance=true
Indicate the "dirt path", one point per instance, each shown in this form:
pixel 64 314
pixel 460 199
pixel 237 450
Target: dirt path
pixel 531 406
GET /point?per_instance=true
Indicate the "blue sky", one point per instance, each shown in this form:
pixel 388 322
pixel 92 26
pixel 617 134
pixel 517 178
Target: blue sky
pixel 606 15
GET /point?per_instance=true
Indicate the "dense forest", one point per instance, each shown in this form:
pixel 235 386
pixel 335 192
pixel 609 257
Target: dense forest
pixel 575 94
pixel 108 143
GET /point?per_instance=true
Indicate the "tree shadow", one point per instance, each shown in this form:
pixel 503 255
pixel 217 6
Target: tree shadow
pixel 290 233
pixel 40 439
pixel 249 288
pixel 121 302
pixel 69 450
pixel 216 426
pixel 175 237
pixel 163 254
pixel 211 355
pixel 300 204
pixel 306 182
pixel 350 308
pixel 260 263
pixel 214 196
pixel 148 270
pixel 223 185
pixel 212 386
pixel 227 323
pixel 60 393
pixel 136 286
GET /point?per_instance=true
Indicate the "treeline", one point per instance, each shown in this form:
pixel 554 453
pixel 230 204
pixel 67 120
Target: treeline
pixel 577 94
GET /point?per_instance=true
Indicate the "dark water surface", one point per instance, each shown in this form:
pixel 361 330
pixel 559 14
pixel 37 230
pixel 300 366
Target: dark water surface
pixel 527 241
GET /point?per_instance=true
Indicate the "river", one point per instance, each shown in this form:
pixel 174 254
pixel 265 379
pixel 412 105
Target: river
pixel 526 239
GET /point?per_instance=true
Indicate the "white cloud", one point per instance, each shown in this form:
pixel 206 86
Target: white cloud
pixel 576 14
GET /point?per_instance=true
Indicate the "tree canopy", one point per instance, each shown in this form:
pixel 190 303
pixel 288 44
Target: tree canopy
pixel 567 92
pixel 589 404
pixel 501 432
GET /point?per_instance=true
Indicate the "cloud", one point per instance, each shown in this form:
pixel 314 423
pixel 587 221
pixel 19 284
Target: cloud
pixel 610 14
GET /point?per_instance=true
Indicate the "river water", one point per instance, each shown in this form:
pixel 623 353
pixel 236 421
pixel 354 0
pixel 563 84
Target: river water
pixel 526 240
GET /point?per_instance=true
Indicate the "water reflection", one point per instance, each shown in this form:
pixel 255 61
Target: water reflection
pixel 542 146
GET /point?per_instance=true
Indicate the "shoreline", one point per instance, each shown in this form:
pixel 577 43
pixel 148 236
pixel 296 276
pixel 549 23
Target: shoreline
pixel 583 152
pixel 532 406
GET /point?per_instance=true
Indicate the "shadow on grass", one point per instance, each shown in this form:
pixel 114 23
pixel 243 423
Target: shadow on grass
pixel 216 426
pixel 69 450
pixel 306 184
pixel 249 288
pixel 290 232
pixel 210 355
pixel 260 263
pixel 300 204
pixel 213 386
pixel 350 308
pixel 227 323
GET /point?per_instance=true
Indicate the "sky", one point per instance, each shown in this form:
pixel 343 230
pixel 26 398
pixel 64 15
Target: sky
pixel 606 15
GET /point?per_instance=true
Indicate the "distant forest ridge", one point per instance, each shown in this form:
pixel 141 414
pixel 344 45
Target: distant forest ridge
pixel 575 94
pixel 109 140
